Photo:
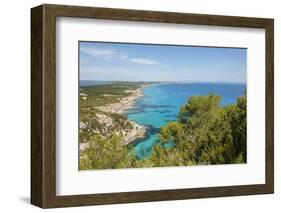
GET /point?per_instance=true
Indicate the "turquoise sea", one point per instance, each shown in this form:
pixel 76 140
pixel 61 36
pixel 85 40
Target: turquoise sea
pixel 161 104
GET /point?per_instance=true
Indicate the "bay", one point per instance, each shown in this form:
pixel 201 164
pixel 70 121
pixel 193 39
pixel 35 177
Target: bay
pixel 161 104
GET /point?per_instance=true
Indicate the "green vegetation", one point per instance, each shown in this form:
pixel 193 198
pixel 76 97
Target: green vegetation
pixel 92 119
pixel 103 132
pixel 107 153
pixel 101 95
pixel 204 133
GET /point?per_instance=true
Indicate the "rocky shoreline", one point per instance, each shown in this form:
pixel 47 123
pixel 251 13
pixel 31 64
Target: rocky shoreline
pixel 136 131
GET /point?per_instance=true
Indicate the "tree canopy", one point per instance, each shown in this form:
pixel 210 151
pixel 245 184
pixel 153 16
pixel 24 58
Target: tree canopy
pixel 206 133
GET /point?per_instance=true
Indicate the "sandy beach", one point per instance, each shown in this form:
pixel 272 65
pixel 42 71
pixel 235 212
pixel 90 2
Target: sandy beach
pixel 125 103
pixel 129 135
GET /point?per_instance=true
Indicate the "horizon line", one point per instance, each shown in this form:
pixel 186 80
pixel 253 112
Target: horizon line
pixel 227 82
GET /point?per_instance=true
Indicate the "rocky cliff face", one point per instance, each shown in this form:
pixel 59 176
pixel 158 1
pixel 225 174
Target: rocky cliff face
pixel 106 124
pixel 137 131
pixel 109 119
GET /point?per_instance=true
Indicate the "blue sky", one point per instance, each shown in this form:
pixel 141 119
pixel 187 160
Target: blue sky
pixel 141 62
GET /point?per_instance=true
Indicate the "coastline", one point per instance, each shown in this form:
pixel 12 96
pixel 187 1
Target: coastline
pixel 104 118
pixel 126 103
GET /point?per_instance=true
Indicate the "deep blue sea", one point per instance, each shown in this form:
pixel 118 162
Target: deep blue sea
pixel 161 104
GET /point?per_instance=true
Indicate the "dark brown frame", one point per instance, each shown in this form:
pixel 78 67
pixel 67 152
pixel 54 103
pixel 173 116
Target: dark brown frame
pixel 43 105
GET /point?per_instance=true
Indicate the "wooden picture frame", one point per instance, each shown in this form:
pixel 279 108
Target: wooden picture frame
pixel 43 105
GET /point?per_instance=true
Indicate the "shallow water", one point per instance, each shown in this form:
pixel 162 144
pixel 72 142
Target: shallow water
pixel 161 104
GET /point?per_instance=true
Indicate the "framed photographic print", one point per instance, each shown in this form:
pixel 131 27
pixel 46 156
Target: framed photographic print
pixel 136 106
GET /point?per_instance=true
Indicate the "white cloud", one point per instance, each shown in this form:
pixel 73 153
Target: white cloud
pixel 123 56
pixel 111 53
pixel 143 61
pixel 104 53
pixel 99 52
